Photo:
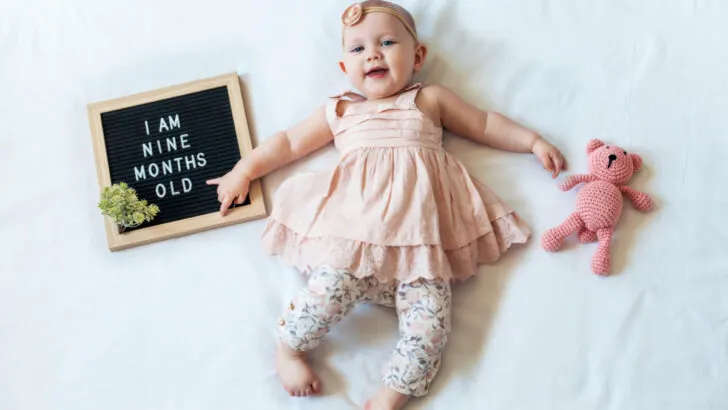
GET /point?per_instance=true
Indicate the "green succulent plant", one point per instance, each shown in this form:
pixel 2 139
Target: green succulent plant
pixel 121 204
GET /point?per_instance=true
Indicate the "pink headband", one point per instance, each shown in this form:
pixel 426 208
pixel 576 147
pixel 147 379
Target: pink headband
pixel 354 13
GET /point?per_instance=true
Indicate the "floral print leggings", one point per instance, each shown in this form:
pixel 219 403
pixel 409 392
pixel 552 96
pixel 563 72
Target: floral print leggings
pixel 423 308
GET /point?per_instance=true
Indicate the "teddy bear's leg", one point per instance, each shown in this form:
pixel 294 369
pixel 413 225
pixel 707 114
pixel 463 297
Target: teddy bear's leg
pixel 587 236
pixel 602 260
pixel 553 238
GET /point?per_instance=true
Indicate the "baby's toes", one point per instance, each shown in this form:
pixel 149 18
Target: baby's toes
pixel 315 386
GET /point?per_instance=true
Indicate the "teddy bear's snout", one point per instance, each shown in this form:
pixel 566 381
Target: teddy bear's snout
pixel 612 158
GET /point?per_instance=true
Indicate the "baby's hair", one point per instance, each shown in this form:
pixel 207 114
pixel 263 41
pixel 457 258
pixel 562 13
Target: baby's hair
pixel 400 12
pixel 403 11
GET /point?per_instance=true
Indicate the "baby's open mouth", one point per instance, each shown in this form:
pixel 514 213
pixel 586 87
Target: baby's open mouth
pixel 377 72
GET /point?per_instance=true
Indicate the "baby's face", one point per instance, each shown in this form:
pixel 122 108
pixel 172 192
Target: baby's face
pixel 380 56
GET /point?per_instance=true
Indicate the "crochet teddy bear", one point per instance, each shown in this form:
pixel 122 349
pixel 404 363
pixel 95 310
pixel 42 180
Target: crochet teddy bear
pixel 599 202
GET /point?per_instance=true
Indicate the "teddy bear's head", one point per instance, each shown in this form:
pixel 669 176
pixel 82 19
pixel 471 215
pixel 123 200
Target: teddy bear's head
pixel 612 163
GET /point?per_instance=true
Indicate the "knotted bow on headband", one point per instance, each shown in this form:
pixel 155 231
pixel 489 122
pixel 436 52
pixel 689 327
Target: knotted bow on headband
pixel 354 13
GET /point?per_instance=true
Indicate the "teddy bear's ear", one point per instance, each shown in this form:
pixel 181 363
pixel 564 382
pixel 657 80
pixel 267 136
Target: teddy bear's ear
pixel 636 161
pixel 593 145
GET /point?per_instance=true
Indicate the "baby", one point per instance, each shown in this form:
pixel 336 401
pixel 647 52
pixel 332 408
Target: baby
pixel 398 219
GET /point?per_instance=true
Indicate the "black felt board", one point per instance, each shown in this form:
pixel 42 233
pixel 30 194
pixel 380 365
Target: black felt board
pixel 201 124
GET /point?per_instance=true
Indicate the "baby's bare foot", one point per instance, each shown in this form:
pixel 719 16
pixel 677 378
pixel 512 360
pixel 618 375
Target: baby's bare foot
pixel 295 373
pixel 387 399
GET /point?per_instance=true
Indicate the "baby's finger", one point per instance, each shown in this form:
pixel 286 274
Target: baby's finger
pixel 547 163
pixel 557 167
pixel 214 181
pixel 558 162
pixel 225 205
pixel 239 199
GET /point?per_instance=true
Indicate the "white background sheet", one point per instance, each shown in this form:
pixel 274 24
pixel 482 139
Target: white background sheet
pixel 189 323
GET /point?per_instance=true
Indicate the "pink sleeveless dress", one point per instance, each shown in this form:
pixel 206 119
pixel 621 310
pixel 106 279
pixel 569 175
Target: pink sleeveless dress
pixel 397 206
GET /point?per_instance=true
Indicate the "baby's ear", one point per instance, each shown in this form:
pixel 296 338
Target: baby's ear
pixel 420 54
pixel 636 161
pixel 593 145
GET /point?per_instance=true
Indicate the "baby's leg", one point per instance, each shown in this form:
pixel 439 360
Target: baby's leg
pixel 424 324
pixel 328 298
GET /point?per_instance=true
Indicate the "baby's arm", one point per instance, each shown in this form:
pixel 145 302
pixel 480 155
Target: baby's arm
pixel 277 151
pixel 491 128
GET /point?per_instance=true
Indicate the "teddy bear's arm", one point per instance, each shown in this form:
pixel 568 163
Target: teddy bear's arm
pixel 574 180
pixel 640 200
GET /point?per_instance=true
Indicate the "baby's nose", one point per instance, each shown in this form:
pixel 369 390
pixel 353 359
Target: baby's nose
pixel 612 157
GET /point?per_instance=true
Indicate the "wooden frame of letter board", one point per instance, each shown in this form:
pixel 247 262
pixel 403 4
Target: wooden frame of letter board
pixel 142 236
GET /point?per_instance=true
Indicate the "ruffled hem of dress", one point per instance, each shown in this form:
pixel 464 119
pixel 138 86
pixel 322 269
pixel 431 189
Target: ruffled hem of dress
pixel 401 263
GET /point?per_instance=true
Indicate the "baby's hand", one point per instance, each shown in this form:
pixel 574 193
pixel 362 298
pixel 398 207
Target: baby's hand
pixel 551 158
pixel 232 187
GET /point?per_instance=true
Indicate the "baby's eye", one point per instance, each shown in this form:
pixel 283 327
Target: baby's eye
pixel 386 43
pixel 357 49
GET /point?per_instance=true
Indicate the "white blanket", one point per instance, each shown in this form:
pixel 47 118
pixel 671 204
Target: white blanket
pixel 189 323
